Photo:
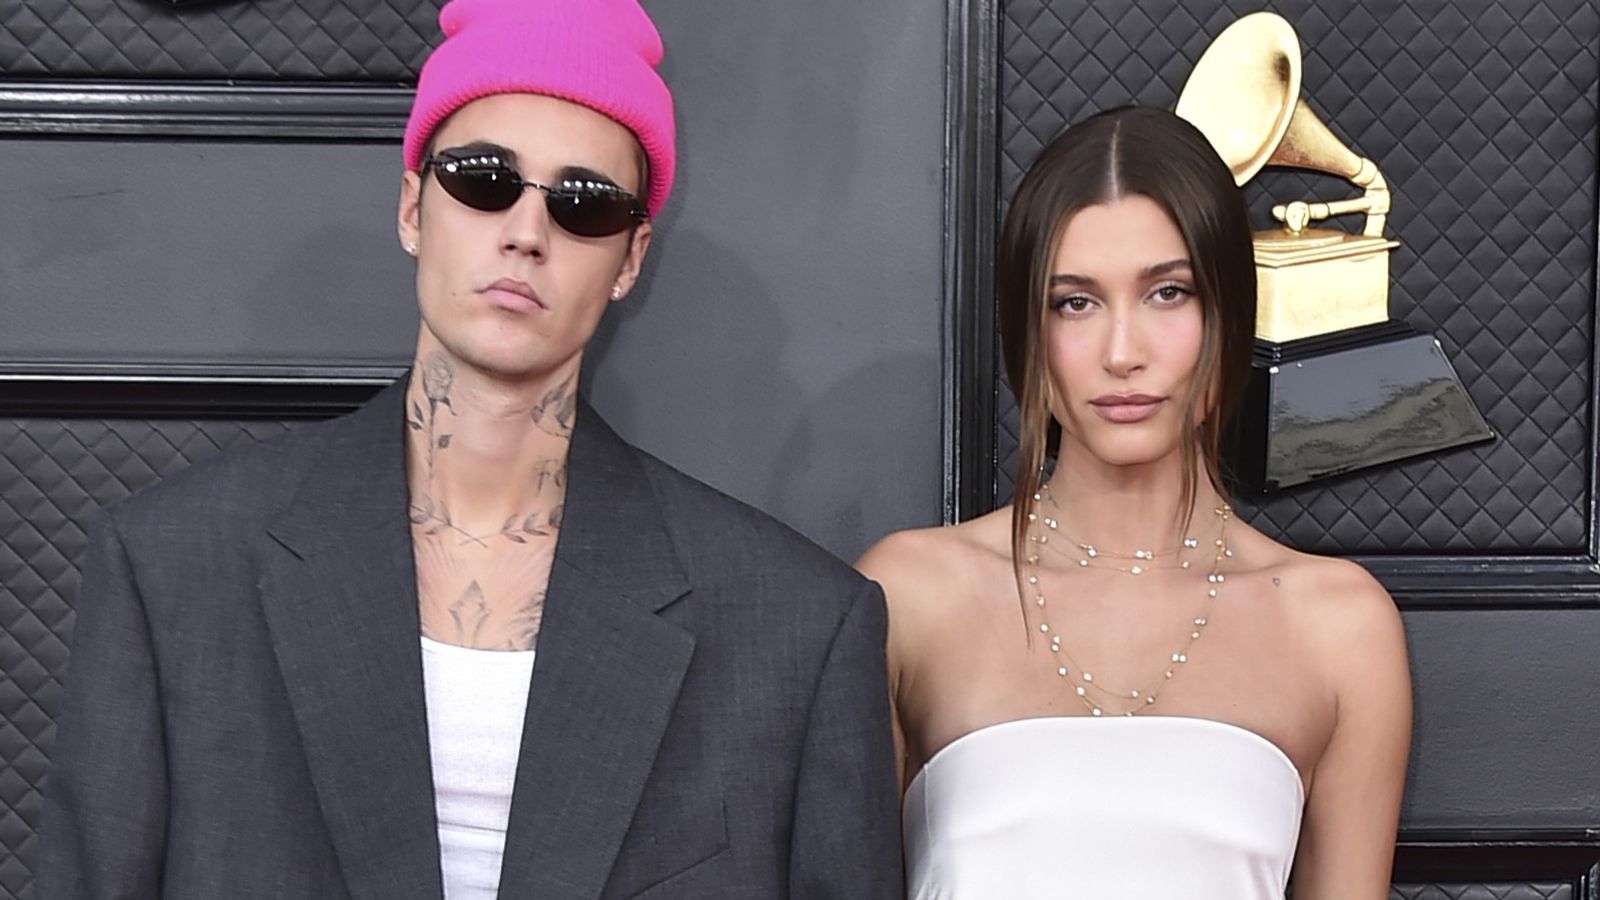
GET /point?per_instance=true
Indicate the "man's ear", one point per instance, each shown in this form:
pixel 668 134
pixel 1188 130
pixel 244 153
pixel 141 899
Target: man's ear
pixel 408 218
pixel 633 262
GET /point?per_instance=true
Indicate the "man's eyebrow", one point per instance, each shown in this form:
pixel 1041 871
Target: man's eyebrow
pixel 487 148
pixel 584 173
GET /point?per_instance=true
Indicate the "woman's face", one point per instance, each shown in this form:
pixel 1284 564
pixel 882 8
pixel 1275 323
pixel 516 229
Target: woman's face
pixel 1123 329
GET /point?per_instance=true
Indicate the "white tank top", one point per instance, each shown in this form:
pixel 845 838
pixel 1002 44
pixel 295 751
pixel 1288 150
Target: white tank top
pixel 476 701
pixel 1103 809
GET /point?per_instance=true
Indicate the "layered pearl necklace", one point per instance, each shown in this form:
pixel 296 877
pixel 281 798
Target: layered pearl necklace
pixel 1094 695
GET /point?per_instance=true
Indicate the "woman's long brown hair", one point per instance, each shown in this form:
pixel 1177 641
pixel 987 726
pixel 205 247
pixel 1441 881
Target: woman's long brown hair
pixel 1115 154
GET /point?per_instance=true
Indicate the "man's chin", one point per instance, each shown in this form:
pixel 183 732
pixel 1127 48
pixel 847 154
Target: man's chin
pixel 515 368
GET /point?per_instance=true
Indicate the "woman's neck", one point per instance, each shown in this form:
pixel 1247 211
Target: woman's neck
pixel 483 455
pixel 1123 508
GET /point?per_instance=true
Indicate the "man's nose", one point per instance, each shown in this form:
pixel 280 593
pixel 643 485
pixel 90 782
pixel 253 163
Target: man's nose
pixel 526 228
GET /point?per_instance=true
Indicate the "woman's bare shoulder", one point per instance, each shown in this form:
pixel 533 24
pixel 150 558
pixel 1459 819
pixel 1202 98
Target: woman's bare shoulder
pixel 926 565
pixel 1336 604
pixel 1329 587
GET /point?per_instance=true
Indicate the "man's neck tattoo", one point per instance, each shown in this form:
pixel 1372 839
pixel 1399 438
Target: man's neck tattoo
pixel 553 414
pixel 438 376
pixel 556 409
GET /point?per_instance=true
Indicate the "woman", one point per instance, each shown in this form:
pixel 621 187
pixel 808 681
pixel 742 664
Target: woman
pixel 1114 687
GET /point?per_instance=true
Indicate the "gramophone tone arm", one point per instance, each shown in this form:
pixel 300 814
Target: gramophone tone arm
pixel 1298 214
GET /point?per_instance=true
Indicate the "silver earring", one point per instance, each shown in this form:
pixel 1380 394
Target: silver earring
pixel 616 292
pixel 411 248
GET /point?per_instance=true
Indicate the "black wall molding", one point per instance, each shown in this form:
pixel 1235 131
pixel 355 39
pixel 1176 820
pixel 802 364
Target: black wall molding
pixel 971 187
pixel 1488 582
pixel 1594 382
pixel 1500 856
pixel 197 392
pixel 204 110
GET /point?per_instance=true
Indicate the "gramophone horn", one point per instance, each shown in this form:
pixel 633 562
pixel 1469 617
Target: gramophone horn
pixel 1309 144
pixel 1242 93
pixel 1244 96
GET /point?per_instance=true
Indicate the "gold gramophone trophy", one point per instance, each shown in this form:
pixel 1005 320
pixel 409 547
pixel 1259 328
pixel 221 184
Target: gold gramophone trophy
pixel 1337 385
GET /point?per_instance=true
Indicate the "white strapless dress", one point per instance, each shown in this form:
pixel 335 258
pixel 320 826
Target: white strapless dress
pixel 1102 809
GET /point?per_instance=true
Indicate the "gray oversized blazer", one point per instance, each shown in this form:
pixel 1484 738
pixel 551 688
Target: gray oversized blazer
pixel 244 711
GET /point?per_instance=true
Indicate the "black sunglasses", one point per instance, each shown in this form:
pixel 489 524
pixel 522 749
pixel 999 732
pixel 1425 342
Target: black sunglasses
pixel 484 181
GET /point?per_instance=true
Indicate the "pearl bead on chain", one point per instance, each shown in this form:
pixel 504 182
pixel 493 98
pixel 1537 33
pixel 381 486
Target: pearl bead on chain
pixel 1145 698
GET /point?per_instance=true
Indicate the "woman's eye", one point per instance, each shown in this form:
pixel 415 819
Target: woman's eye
pixel 1172 293
pixel 1073 303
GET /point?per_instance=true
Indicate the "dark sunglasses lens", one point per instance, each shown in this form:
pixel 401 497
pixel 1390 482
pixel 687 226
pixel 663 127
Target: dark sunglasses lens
pixel 490 188
pixel 588 213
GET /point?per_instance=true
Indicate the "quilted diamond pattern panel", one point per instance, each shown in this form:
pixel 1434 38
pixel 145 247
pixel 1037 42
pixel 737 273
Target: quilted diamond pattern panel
pixel 53 476
pixel 1519 891
pixel 1482 116
pixel 295 40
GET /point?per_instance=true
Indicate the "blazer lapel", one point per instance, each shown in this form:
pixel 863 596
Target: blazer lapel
pixel 606 678
pixel 339 592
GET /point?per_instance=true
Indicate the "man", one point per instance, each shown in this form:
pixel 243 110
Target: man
pixel 466 642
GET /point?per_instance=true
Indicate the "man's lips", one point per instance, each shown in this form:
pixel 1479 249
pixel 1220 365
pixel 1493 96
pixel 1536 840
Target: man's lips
pixel 1126 408
pixel 513 294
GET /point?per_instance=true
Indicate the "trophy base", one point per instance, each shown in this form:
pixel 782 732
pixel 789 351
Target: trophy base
pixel 1337 403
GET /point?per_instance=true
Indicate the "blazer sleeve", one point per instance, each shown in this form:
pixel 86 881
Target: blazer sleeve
pixel 104 826
pixel 846 838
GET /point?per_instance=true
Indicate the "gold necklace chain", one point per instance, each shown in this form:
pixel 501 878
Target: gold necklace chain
pixel 1090 556
pixel 1081 680
pixel 1077 556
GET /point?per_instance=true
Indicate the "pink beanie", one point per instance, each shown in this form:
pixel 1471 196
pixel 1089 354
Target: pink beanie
pixel 599 53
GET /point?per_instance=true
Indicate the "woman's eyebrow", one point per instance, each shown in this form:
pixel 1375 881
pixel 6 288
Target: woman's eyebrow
pixel 1171 265
pixel 1073 279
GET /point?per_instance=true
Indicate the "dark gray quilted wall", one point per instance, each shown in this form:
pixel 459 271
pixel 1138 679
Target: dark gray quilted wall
pixel 54 475
pixel 1482 116
pixel 290 40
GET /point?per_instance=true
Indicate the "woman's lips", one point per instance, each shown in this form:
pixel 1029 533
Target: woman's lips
pixel 1128 408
